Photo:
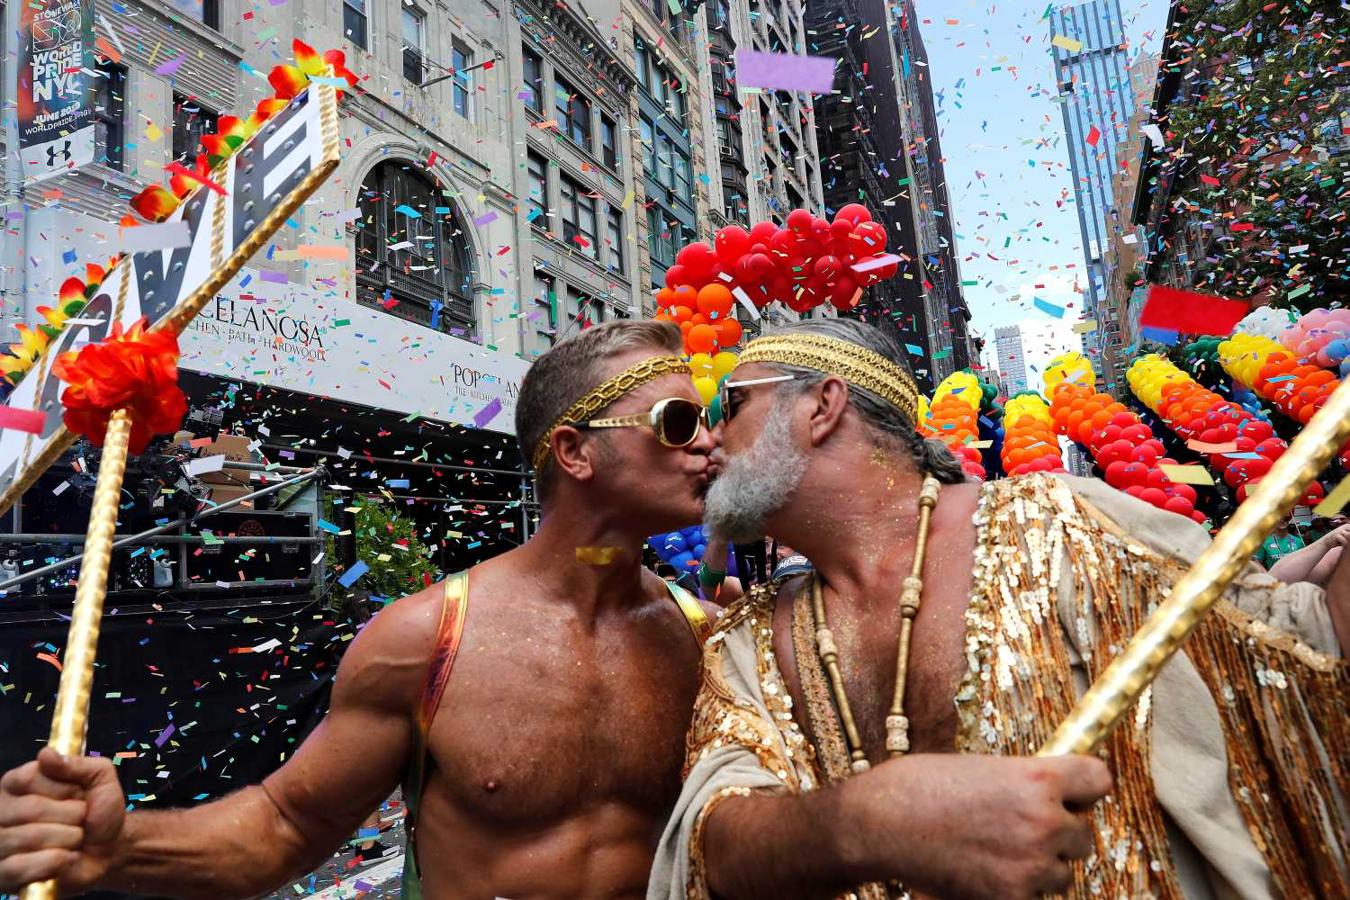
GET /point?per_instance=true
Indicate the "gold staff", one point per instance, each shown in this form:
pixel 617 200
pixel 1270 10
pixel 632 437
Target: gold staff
pixel 1195 593
pixel 71 713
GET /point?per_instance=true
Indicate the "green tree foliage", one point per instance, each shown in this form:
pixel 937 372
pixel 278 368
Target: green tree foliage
pixel 1257 141
pixel 388 543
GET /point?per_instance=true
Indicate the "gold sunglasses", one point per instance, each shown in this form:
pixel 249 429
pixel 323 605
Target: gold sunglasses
pixel 676 421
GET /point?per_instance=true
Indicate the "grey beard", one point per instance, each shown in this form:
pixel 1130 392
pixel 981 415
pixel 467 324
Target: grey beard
pixel 757 483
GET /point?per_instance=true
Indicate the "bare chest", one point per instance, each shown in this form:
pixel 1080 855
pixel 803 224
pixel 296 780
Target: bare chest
pixel 539 723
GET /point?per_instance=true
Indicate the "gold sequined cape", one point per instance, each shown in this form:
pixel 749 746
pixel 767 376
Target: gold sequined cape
pixel 1231 775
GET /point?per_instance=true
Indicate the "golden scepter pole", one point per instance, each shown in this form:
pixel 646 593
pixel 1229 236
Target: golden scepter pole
pixel 71 714
pixel 1196 592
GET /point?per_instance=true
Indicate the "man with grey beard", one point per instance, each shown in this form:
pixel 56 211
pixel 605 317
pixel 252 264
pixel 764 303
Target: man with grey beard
pixel 948 616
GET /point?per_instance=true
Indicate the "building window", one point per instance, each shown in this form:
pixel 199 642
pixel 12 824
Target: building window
pixel 190 121
pixel 412 252
pixel 583 309
pixel 643 61
pixel 660 238
pixel 534 80
pixel 414 27
pixel 578 215
pixel 354 22
pixel 661 84
pixel 614 237
pixel 536 168
pixel 665 161
pixel 110 108
pixel 205 11
pixel 545 315
pixel 648 137
pixel 461 58
pixel 574 114
pixel 609 142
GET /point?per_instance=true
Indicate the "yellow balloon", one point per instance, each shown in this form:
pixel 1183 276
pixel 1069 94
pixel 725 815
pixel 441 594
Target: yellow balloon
pixel 723 363
pixel 706 387
pixel 701 363
pixel 963 385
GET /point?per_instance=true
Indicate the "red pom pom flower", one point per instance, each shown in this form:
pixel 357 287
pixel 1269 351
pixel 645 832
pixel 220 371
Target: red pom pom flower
pixel 137 370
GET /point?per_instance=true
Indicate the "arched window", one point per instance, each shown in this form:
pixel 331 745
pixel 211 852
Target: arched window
pixel 413 257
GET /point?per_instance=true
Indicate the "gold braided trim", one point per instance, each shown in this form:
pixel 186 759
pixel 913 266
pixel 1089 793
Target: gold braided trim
pixel 857 365
pixel 606 393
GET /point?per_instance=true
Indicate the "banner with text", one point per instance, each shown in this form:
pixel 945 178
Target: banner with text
pixel 255 189
pixel 267 332
pixel 56 86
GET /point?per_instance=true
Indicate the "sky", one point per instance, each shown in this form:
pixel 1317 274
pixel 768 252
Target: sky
pixel 1007 168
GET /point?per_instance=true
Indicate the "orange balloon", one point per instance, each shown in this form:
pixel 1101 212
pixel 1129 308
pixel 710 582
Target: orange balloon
pixel 683 314
pixel 685 295
pixel 701 339
pixel 714 298
pixel 665 297
pixel 728 332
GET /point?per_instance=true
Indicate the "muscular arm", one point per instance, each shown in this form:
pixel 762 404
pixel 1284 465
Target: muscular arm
pixel 258 838
pixel 944 824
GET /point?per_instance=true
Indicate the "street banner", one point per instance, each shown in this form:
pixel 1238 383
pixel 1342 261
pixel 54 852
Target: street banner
pixel 56 87
pixel 291 337
pixel 228 220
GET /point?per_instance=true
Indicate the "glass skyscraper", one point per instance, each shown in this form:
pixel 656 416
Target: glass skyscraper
pixel 1088 43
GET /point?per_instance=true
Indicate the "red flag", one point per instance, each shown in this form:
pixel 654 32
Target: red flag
pixel 1191 313
pixel 1094 135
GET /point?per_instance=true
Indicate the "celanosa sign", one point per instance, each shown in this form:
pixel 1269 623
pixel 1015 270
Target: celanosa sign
pixel 261 184
pixel 292 338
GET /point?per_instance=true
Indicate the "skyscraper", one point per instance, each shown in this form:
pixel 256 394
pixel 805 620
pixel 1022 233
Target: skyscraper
pixel 1012 361
pixel 1089 46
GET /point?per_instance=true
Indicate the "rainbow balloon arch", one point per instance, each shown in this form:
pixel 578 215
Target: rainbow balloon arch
pixel 1190 440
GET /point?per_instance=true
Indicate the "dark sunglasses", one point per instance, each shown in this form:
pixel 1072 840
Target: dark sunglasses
pixel 675 420
pixel 727 399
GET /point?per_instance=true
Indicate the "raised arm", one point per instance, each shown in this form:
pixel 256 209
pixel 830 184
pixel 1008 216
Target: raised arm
pixel 1304 564
pixel 949 825
pixel 64 817
pixel 1338 600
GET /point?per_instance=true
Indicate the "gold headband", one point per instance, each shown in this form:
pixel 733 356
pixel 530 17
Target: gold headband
pixel 598 398
pixel 857 365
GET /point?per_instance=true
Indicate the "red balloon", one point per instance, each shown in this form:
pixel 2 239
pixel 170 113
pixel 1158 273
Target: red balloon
pixel 1179 505
pixel 828 267
pixel 799 220
pixel 731 243
pixel 869 238
pixel 761 233
pixel 853 213
pixel 676 276
pixel 697 259
pixel 1154 496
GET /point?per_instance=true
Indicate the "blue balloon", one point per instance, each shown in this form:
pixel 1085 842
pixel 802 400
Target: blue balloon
pixel 682 560
pixel 700 550
pixel 676 542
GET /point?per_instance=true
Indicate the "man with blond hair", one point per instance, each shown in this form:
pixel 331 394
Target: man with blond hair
pixel 534 708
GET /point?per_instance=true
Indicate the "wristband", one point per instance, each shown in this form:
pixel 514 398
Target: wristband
pixel 709 578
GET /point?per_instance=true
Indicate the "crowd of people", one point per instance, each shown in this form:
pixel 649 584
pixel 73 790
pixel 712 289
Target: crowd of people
pixel 563 722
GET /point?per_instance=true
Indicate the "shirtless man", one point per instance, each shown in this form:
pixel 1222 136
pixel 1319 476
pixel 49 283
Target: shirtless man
pixel 554 754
